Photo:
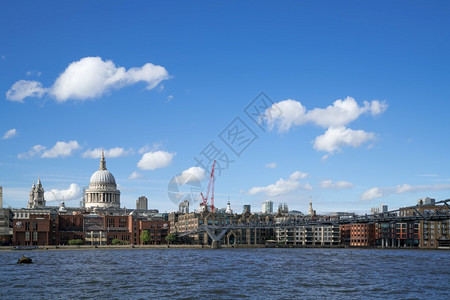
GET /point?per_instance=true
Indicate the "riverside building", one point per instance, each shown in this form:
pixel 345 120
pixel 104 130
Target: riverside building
pixel 98 222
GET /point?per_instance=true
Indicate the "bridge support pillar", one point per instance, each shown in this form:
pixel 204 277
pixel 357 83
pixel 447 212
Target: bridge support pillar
pixel 216 245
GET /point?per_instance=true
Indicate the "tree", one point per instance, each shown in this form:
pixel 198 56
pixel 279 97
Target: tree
pixel 171 238
pixel 145 237
pixel 116 241
pixel 76 242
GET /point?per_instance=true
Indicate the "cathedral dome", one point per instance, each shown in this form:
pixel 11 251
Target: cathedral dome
pixel 102 192
pixel 102 177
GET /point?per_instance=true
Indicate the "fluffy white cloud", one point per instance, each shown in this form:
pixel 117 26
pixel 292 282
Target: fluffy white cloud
pixel 293 113
pixel 9 134
pixel 372 193
pixel 88 78
pixel 135 175
pixel 193 174
pixel 72 193
pixel 31 73
pixel 336 137
pixel 328 184
pixel 283 186
pixel 155 146
pixel 61 149
pixel 111 153
pixel 378 192
pixel 25 88
pixel 155 160
pixel 271 165
pixel 91 77
pixel 34 151
pixel 144 149
pixel 341 113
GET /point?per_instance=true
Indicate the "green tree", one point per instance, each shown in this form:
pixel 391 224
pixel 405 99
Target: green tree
pixel 116 241
pixel 145 237
pixel 76 242
pixel 171 238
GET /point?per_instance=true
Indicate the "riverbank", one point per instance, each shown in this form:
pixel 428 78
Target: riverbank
pixel 105 247
pixel 115 247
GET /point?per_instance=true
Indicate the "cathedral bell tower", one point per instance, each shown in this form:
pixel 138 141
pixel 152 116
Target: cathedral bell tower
pixel 36 195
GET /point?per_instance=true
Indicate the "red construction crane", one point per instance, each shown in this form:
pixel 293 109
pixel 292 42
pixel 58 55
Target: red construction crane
pixel 211 181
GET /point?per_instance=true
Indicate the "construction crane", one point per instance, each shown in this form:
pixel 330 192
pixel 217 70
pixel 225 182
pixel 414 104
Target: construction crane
pixel 210 186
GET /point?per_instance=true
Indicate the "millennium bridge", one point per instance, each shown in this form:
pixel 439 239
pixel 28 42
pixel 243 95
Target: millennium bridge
pixel 439 213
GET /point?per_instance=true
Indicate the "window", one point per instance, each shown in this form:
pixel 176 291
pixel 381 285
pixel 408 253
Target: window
pixel 35 236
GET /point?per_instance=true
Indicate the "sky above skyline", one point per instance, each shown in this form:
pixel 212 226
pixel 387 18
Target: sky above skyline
pixel 344 103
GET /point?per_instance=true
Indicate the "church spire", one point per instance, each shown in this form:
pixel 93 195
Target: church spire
pixel 102 162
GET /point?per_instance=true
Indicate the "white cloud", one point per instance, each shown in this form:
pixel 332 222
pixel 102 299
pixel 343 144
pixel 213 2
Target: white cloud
pixel 193 174
pixel 91 77
pixel 378 107
pixel 328 184
pixel 293 113
pixel 23 89
pixel 155 160
pixel 30 73
pixel 88 78
pixel 271 165
pixel 341 113
pixel 336 137
pixel 378 192
pixel 72 193
pixel 61 149
pixel 283 186
pixel 372 193
pixel 147 148
pixel 299 175
pixel 169 98
pixel 111 153
pixel 9 134
pixel 135 175
pixel 34 151
pixel 144 149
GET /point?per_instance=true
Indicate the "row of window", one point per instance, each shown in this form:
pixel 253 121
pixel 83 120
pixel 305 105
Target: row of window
pixel 27 236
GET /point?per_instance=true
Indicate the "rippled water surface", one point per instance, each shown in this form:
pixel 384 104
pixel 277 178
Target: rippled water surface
pixel 226 274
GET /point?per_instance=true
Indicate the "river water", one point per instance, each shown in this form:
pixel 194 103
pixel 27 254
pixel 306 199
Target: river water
pixel 226 274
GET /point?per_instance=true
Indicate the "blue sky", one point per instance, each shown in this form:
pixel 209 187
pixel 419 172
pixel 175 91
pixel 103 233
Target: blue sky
pixel 358 94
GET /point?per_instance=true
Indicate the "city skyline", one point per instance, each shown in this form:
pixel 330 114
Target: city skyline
pixel 352 101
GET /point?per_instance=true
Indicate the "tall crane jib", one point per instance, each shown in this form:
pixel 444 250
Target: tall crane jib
pixel 210 187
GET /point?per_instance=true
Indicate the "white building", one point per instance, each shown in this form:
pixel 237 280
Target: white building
pixel 313 235
pixel 267 207
pixel 102 192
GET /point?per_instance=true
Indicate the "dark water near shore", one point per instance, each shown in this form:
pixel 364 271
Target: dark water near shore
pixel 226 274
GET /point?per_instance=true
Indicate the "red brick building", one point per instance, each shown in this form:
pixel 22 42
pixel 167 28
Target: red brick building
pixel 36 230
pixel 362 234
pixel 92 229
